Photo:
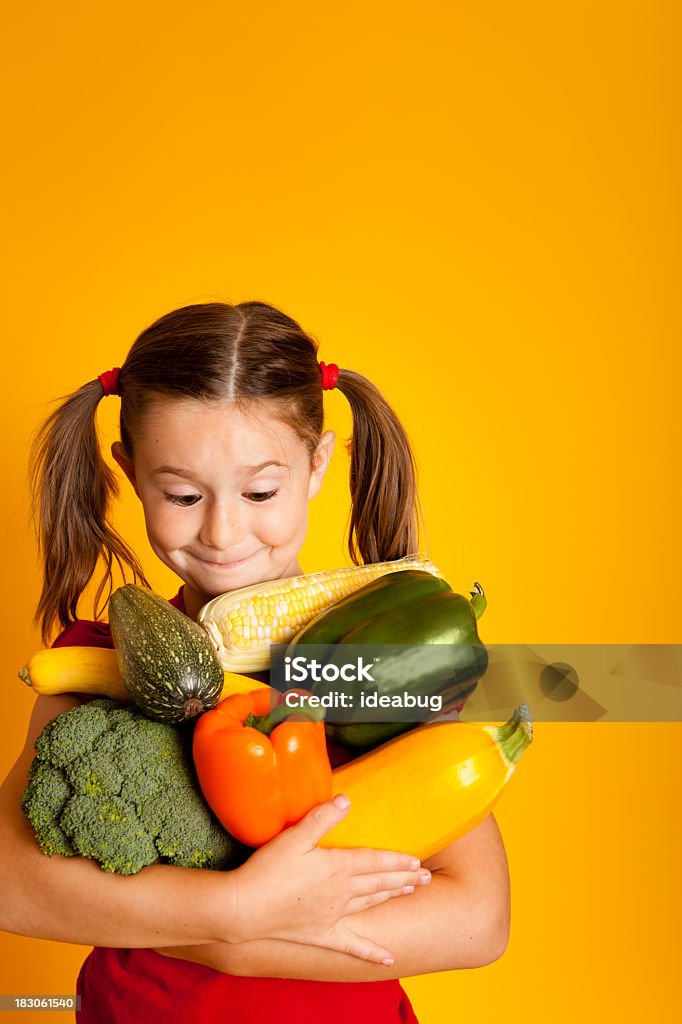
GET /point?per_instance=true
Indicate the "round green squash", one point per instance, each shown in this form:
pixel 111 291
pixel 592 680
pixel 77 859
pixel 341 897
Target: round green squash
pixel 166 660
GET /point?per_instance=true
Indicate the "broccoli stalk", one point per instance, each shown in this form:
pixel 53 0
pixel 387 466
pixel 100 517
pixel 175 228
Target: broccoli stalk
pixel 110 784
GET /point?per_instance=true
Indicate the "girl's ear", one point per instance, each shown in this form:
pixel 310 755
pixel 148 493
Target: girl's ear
pixel 321 462
pixel 119 454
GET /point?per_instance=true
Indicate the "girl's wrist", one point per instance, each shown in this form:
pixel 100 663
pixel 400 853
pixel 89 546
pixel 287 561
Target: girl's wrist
pixel 227 912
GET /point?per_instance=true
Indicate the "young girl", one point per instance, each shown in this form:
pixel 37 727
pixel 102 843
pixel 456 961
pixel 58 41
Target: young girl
pixel 222 439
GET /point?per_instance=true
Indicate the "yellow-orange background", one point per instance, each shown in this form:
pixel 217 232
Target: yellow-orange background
pixel 474 205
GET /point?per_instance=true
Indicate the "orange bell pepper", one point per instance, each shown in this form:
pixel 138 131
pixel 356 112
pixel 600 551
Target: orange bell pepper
pixel 258 772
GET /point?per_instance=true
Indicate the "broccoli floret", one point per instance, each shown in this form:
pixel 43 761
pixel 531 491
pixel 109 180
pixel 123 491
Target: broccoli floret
pixel 63 741
pixel 195 846
pixel 110 832
pixel 42 802
pixel 110 784
pixel 94 774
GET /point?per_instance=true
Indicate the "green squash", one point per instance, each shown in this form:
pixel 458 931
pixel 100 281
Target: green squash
pixel 166 660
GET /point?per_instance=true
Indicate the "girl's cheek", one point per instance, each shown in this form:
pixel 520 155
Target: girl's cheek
pixel 289 529
pixel 165 525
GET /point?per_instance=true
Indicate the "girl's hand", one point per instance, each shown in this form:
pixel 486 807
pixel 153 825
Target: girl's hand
pixel 293 889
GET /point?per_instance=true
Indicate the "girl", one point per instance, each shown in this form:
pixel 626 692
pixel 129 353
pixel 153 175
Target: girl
pixel 222 439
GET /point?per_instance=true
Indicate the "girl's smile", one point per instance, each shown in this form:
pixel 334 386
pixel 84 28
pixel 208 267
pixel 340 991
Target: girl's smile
pixel 224 565
pixel 236 513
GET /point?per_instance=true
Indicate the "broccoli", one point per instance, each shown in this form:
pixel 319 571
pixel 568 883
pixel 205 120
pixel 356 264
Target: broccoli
pixel 110 784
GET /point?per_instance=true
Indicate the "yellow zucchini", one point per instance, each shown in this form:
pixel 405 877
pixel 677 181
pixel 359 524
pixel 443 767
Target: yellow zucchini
pixel 94 670
pixel 422 791
pixel 75 670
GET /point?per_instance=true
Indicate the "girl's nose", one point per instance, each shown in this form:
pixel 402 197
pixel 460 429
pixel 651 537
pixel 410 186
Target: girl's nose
pixel 222 529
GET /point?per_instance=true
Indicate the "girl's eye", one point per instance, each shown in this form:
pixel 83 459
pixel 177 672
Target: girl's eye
pixel 187 500
pixel 184 500
pixel 261 495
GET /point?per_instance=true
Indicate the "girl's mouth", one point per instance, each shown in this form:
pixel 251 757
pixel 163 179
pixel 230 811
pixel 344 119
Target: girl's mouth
pixel 224 565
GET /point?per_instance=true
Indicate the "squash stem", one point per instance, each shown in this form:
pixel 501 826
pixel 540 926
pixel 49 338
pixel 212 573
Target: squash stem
pixel 24 676
pixel 515 735
pixel 279 714
pixel 479 601
pixel 192 707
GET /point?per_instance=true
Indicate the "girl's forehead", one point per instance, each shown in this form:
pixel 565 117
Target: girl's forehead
pixel 187 423
pixel 226 417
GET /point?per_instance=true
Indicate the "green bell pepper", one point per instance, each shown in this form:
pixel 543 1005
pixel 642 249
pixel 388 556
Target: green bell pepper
pixel 408 607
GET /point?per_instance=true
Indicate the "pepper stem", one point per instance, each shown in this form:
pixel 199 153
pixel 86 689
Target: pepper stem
pixel 479 601
pixel 279 714
pixel 515 735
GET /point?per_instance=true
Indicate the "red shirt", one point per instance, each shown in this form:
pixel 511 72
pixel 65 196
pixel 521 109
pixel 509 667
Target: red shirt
pixel 140 986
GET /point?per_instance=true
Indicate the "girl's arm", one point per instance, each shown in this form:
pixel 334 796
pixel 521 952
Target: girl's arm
pixel 460 920
pixel 71 899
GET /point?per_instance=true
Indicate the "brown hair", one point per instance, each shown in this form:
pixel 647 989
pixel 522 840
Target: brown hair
pixel 210 352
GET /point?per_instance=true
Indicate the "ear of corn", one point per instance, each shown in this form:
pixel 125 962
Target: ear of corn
pixel 243 623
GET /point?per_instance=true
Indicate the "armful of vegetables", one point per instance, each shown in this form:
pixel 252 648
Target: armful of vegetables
pixel 116 782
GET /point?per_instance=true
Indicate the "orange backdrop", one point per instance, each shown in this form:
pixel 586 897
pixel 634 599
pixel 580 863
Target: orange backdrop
pixel 475 205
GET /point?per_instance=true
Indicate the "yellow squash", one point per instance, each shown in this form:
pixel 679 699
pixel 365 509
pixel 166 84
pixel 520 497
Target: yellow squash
pixel 95 670
pixel 422 791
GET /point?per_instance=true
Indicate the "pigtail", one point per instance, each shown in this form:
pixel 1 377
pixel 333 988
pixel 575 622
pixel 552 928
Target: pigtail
pixel 384 522
pixel 71 487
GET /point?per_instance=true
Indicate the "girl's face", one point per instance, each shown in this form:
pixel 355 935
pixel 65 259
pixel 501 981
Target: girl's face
pixel 225 494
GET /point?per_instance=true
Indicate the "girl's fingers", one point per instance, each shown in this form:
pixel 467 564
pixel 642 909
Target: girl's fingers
pixel 392 881
pixel 359 903
pixel 366 861
pixel 318 821
pixel 363 949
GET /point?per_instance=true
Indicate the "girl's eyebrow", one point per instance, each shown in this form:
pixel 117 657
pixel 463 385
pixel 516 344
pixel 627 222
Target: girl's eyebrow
pixel 245 469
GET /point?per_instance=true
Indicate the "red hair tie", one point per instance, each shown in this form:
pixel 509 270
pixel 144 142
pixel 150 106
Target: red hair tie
pixel 109 381
pixel 330 375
